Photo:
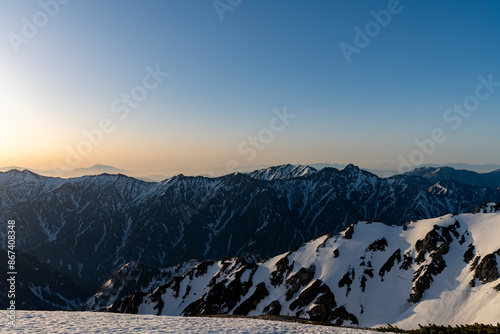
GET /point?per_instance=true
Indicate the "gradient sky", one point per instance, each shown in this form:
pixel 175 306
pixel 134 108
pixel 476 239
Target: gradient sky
pixel 227 76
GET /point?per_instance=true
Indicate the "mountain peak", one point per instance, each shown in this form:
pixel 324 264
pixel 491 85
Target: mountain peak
pixel 351 168
pixel 282 172
pixel 22 173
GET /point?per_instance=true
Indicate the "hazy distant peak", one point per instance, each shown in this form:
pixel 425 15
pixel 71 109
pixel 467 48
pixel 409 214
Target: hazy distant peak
pixel 436 174
pixel 99 169
pixel 23 174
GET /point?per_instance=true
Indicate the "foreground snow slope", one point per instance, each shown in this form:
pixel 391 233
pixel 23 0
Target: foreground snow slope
pixel 102 323
pixel 435 271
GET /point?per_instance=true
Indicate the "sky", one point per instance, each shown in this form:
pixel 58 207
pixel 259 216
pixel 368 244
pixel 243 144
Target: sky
pixel 194 86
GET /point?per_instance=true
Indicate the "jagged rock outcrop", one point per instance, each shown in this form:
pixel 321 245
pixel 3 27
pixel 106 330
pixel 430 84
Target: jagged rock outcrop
pixel 488 208
pixel 487 269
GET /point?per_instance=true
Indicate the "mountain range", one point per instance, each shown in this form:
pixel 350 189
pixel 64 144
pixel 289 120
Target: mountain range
pixel 383 170
pixel 433 174
pixel 77 172
pixel 88 227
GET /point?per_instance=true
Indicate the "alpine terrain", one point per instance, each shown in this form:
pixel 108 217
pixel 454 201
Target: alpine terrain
pixel 88 227
pixel 434 271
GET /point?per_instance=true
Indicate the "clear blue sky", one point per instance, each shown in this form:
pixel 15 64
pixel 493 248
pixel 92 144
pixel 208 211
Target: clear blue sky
pixel 226 77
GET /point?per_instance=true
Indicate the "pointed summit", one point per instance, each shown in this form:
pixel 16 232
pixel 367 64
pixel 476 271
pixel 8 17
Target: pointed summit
pixel 351 168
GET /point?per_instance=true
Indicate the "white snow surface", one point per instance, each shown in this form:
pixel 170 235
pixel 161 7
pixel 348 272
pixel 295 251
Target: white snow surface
pixel 92 322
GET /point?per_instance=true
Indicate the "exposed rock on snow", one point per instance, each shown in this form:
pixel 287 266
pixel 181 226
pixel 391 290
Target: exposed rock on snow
pixel 488 208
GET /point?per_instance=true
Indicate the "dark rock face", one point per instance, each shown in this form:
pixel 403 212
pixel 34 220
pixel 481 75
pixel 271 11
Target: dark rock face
pixel 347 280
pixel 322 245
pixel 200 269
pixel 282 270
pixel 438 235
pixel 363 283
pixel 474 263
pixel 487 270
pixel 407 261
pixel 396 256
pixel 274 308
pixel 323 305
pixel 225 295
pixel 300 279
pixel 469 254
pixel 436 244
pixel 128 304
pixel 378 245
pixel 308 295
pixel 368 272
pixel 340 315
pixel 251 303
pixel 349 232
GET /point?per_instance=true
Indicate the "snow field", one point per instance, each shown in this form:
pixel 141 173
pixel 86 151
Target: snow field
pixel 92 322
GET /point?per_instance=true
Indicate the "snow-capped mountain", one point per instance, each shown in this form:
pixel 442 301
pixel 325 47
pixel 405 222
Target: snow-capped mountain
pixel 282 172
pixel 491 179
pixel 94 170
pixel 87 227
pixel 436 271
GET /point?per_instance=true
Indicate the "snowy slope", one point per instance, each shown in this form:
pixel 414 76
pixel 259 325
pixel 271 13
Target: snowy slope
pixel 443 270
pixel 104 323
